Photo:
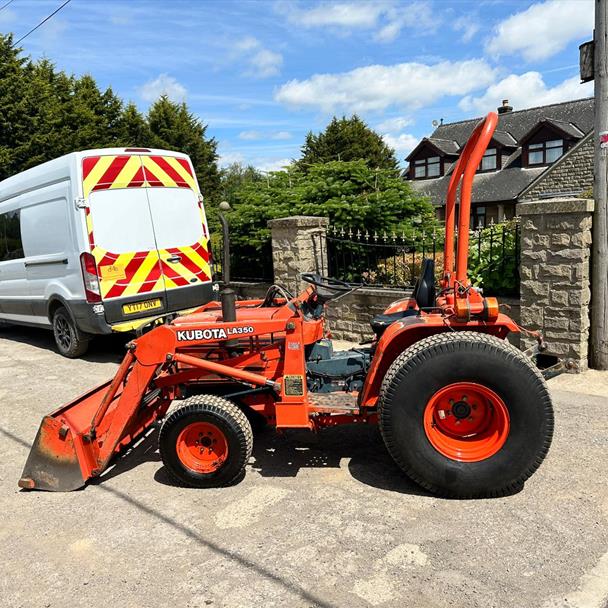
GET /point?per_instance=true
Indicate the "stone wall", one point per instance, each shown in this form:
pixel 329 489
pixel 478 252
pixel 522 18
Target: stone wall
pixel 249 291
pixel 572 175
pixel 555 294
pixel 298 245
pixel 348 318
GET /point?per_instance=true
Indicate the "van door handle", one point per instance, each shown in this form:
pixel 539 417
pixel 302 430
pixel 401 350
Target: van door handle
pixel 174 259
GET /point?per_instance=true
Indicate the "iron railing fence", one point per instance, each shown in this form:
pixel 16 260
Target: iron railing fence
pixel 390 260
pixel 246 263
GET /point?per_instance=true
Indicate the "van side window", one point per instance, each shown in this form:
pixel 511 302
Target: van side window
pixel 11 247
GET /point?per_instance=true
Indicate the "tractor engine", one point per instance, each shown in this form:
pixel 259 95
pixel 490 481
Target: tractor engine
pixel 329 371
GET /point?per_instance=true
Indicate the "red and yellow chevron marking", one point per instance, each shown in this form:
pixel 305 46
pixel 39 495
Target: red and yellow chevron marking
pixel 130 171
pixel 144 272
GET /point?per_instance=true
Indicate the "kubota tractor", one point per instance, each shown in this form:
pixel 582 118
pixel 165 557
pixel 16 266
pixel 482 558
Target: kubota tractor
pixel 462 411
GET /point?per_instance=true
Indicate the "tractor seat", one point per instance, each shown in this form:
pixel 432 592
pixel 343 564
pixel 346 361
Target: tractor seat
pixel 380 322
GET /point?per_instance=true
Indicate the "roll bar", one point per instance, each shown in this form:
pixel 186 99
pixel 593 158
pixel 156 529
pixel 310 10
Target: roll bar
pixel 465 169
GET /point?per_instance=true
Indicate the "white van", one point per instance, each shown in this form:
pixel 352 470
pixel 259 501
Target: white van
pixel 99 241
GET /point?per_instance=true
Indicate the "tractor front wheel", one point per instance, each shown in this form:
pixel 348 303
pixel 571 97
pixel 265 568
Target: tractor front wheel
pixel 206 442
pixel 466 415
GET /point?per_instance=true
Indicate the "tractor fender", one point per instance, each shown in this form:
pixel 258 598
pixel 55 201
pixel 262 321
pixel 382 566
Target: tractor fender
pixel 403 333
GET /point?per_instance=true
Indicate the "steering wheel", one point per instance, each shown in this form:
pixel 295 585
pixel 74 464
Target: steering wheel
pixel 326 282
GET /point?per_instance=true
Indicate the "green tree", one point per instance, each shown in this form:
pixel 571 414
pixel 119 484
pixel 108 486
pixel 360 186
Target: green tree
pixel 351 194
pixel 347 139
pixel 174 127
pixel 235 177
pixel 45 113
pixel 133 130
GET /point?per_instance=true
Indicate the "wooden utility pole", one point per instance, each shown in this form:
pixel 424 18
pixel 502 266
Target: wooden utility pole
pixel 599 254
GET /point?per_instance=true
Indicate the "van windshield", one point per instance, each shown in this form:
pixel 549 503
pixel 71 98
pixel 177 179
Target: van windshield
pixel 121 220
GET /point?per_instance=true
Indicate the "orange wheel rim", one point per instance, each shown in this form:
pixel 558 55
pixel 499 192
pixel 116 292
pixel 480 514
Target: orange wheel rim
pixel 202 447
pixel 466 422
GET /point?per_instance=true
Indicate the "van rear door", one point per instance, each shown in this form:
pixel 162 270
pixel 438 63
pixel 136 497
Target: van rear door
pixel 181 238
pixel 148 234
pixel 121 237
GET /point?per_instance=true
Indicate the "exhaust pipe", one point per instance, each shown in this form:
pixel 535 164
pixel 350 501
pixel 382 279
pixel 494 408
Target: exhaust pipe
pixel 227 295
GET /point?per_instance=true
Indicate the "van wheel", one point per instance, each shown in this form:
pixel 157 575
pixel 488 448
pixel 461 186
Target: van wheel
pixel 70 341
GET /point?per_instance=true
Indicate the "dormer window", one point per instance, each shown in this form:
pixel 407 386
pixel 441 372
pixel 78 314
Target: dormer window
pixel 545 152
pixel 431 158
pixel 427 167
pixel 489 161
pixel 548 141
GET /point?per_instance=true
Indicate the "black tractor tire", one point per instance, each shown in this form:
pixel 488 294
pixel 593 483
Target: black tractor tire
pixel 229 426
pixel 445 360
pixel 71 342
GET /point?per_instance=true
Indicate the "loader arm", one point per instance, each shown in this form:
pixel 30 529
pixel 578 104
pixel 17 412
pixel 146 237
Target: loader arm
pixel 78 441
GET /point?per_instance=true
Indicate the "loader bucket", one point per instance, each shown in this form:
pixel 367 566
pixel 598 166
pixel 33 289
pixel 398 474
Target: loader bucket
pixel 53 463
pixel 78 441
pixel 61 458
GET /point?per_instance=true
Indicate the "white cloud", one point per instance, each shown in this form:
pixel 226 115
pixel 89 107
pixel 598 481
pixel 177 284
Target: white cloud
pixel 163 85
pixel 403 143
pixel 265 63
pixel 256 135
pixel 468 26
pixel 418 15
pixel 542 30
pixel 524 91
pixel 281 135
pixel 342 14
pixel 376 87
pixel 390 125
pixel 387 17
pixel 250 135
pixel 227 158
pixel 270 164
pixel 261 62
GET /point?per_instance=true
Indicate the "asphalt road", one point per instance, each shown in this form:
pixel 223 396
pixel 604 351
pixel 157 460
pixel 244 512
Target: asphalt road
pixel 325 520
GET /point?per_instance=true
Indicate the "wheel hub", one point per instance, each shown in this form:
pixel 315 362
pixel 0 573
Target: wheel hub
pixel 202 447
pixel 467 422
pixel 461 410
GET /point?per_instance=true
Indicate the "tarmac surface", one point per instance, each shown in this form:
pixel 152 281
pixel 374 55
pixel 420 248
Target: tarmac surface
pixel 319 520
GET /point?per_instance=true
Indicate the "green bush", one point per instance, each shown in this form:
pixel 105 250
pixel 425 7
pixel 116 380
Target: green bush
pixel 493 260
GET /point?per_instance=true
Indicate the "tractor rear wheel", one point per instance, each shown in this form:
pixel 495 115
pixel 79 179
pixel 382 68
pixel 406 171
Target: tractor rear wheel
pixel 466 415
pixel 206 442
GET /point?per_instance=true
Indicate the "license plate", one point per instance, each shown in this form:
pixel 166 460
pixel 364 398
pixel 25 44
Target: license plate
pixel 130 309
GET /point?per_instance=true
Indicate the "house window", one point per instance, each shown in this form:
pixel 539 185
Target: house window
pixel 489 160
pixel 478 217
pixel 427 167
pixel 545 152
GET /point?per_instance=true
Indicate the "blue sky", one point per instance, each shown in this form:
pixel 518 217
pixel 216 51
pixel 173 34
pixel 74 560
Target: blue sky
pixel 263 73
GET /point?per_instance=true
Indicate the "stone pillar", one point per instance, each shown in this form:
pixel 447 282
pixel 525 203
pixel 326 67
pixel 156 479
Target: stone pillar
pixel 554 270
pixel 298 245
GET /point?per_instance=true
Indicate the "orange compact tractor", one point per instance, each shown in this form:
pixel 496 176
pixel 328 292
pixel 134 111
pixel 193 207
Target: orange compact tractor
pixel 461 411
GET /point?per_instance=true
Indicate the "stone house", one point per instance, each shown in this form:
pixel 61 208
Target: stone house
pixel 542 152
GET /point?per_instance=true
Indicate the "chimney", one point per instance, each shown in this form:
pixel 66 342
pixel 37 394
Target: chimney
pixel 505 107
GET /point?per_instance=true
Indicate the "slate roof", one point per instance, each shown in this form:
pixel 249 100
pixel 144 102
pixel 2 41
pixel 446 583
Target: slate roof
pixel 449 146
pixel 505 139
pixel 572 117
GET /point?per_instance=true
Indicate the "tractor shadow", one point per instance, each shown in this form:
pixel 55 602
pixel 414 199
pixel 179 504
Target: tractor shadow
pixel 368 462
pixel 286 454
